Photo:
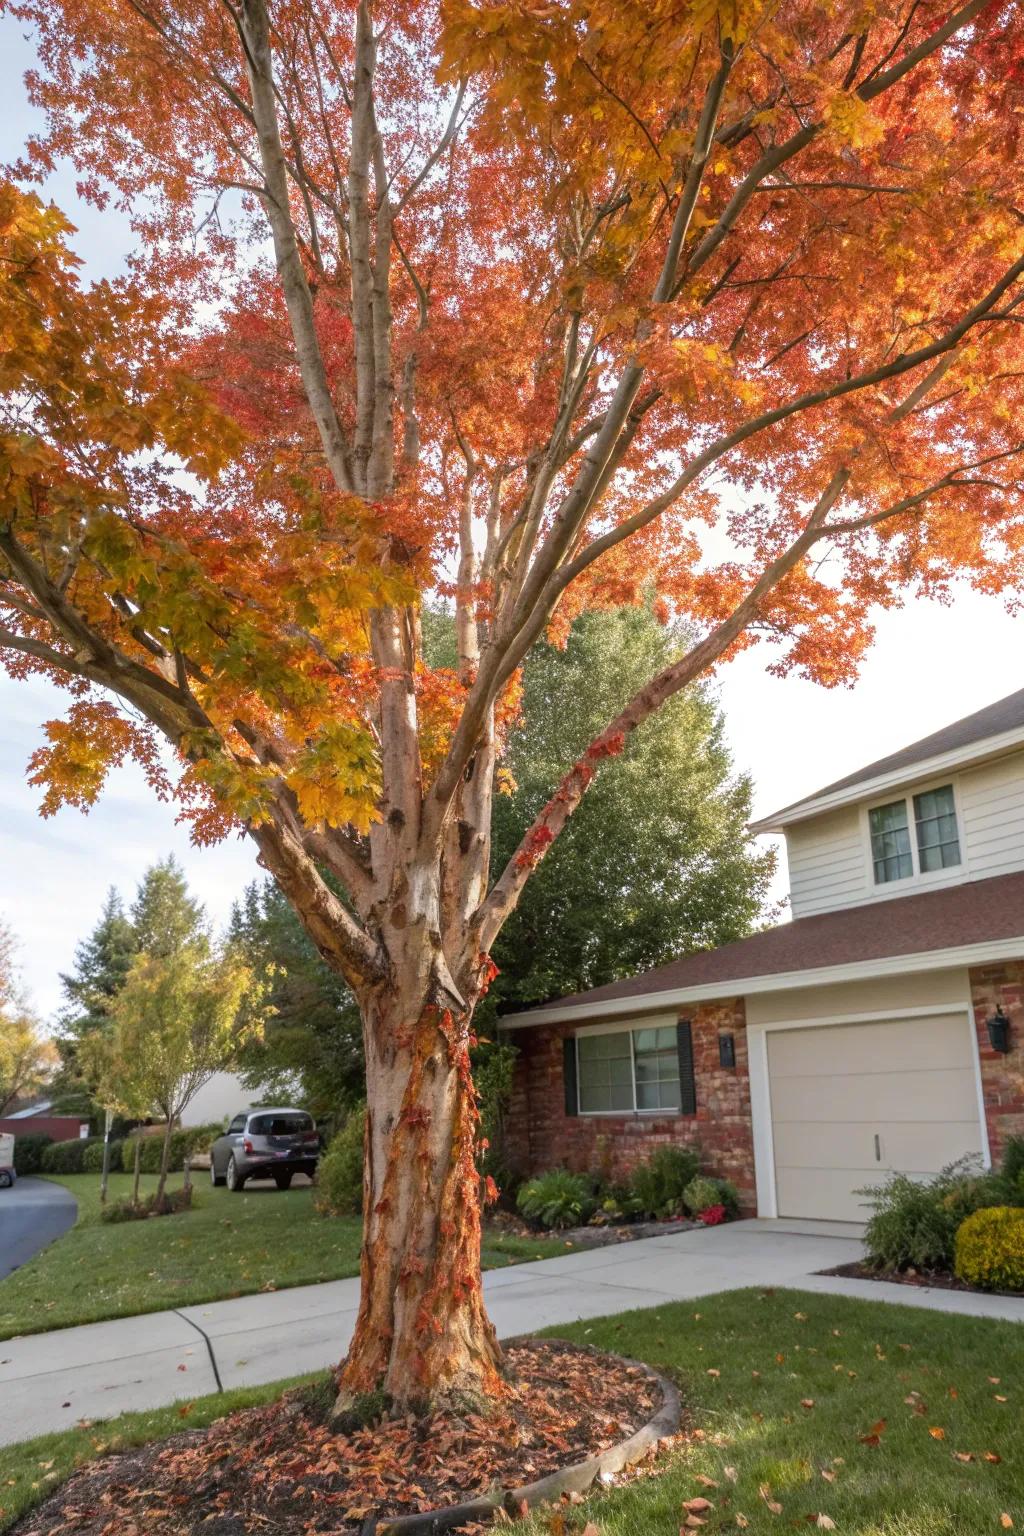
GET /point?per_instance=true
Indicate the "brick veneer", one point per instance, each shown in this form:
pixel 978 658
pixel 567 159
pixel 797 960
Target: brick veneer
pixel 540 1135
pixel 1002 1076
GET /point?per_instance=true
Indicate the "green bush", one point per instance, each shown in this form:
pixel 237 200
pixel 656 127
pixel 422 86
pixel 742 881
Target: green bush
pixel 339 1174
pixel 990 1249
pixel 657 1186
pixel 68 1156
pixel 174 1201
pixel 194 1140
pixel 913 1224
pixel 1011 1171
pixel 28 1153
pixel 92 1162
pixel 557 1198
pixel 704 1192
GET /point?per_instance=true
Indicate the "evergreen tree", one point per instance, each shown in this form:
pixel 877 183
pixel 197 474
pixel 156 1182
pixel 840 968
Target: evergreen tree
pixel 102 963
pixel 311 1046
pixel 657 861
pixel 164 915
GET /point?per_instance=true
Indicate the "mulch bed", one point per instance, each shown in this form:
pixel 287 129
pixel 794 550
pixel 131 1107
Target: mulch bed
pixel 280 1470
pixel 927 1279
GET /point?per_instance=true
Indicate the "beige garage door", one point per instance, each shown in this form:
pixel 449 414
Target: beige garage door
pixel 850 1102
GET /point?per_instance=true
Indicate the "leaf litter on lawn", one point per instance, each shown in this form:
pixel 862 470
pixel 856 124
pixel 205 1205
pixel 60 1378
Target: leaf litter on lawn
pixel 281 1469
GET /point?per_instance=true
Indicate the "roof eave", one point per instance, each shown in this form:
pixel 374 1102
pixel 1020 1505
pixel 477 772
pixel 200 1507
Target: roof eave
pixel 867 789
pixel 986 952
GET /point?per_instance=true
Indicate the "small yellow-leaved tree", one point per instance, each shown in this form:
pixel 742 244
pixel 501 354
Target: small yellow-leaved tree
pixel 176 1021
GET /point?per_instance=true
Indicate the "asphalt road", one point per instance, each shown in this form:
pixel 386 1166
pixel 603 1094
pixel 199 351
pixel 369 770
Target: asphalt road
pixel 32 1214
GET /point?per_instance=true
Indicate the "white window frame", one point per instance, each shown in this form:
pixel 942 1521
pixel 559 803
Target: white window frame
pixel 627 1026
pixel 952 875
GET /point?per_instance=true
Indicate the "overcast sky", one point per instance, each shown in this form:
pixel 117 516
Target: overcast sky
pixel 930 664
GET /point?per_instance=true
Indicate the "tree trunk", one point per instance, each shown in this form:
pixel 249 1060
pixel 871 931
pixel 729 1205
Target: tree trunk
pixel 422 1334
pixel 137 1170
pixel 165 1158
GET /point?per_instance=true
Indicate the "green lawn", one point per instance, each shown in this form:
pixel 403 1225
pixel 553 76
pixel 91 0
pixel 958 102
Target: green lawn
pixel 226 1245
pixel 786 1393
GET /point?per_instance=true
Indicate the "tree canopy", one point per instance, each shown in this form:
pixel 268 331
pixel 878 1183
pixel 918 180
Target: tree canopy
pixel 537 307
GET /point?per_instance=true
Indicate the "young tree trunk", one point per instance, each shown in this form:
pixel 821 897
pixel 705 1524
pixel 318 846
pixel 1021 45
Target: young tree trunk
pixel 165 1158
pixel 137 1174
pixel 422 1334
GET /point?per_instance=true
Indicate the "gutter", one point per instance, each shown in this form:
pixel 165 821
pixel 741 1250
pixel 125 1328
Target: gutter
pixel 744 986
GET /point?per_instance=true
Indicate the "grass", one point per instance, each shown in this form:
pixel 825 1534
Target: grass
pixel 788 1391
pixel 781 1387
pixel 226 1245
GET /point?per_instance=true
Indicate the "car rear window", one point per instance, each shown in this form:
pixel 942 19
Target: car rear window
pixel 280 1125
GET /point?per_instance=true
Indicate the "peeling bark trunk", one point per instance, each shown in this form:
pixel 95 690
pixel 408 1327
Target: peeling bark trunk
pixel 422 1334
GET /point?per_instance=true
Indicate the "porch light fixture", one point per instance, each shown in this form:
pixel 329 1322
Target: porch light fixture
pixel 999 1032
pixel 726 1050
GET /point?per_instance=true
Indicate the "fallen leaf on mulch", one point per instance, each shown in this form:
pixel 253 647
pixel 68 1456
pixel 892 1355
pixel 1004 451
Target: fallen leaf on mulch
pixel 282 1470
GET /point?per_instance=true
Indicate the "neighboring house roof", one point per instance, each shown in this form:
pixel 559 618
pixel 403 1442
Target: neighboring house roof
pixel 964 739
pixel 958 925
pixel 42 1108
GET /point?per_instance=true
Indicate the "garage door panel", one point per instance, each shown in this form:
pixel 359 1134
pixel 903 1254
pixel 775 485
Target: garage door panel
pixel 824 1194
pixel 893 1045
pixel 834 1088
pixel 925 1148
pixel 921 1095
pixel 912 1147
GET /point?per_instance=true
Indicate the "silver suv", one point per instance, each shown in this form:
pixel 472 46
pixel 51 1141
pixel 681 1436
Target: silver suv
pixel 265 1144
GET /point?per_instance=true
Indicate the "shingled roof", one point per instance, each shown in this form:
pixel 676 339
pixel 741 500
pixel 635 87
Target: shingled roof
pixel 976 913
pixel 996 719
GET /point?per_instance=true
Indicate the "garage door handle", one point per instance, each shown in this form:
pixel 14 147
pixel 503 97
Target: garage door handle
pixel 878 1148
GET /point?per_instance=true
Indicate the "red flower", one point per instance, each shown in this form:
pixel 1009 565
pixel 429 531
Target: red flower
pixel 712 1216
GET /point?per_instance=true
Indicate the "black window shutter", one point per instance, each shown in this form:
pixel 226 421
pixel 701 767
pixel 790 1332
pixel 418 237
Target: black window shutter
pixel 687 1082
pixel 572 1103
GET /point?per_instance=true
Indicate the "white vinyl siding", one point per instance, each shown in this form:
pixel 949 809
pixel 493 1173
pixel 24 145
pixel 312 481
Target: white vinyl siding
pixel 992 810
pixel 826 863
pixel 830 856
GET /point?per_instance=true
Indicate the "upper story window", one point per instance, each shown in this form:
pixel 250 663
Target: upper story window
pixel 914 835
pixel 628 1070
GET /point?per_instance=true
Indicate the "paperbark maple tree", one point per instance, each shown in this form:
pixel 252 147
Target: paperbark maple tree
pixel 568 300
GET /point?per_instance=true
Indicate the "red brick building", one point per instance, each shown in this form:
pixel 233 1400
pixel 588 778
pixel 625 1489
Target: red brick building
pixel 882 1029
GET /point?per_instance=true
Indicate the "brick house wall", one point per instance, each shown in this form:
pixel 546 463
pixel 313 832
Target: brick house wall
pixel 540 1135
pixel 1002 1076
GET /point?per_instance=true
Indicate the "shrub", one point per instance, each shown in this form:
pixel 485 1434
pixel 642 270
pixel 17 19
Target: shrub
pixel 68 1156
pixel 557 1198
pixel 339 1174
pixel 658 1185
pixel 913 1224
pixel 706 1194
pixel 28 1153
pixel 1011 1171
pixel 92 1162
pixel 990 1249
pixel 195 1139
pixel 173 1203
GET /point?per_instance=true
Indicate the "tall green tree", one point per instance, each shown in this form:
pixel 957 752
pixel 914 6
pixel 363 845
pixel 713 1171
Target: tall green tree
pixel 657 861
pixel 102 963
pixel 311 1048
pixel 164 916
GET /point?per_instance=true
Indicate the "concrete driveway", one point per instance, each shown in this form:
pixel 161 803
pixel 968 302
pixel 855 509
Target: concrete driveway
pixel 51 1381
pixel 32 1213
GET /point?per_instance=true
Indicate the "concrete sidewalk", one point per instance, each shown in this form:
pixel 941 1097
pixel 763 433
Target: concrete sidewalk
pixel 53 1380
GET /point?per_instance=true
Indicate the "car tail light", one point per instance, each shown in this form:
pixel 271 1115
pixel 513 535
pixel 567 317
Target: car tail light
pixel 247 1145
pixel 312 1137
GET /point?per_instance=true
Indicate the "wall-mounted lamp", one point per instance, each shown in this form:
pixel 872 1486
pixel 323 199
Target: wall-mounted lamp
pixel 999 1032
pixel 727 1050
